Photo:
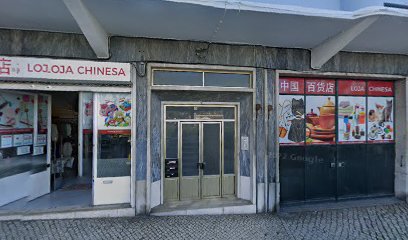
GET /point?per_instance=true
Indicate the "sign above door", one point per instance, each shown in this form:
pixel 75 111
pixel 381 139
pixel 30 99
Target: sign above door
pixel 19 68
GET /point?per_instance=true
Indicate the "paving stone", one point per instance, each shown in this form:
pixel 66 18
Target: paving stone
pixel 376 222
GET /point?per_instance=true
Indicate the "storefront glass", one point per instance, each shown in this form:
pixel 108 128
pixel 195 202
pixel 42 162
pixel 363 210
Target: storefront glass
pixel 336 122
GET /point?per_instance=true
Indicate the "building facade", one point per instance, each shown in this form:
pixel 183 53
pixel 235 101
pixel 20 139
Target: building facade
pixel 190 127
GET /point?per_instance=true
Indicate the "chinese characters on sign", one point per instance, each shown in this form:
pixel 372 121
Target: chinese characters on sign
pixel 320 87
pixel 5 67
pixel 291 86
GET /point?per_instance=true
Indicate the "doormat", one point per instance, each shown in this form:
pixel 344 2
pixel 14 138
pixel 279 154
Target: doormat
pixel 77 187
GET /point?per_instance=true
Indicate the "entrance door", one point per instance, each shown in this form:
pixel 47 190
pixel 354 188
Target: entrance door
pixel 200 160
pixel 112 149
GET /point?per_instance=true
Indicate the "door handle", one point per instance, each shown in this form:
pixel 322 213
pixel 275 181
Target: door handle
pixel 200 165
pixel 341 164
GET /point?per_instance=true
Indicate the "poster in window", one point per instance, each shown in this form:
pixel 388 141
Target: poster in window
pixel 42 114
pixel 351 122
pixel 87 111
pixel 320 119
pixel 380 119
pixel 114 111
pixel 291 119
pixel 16 111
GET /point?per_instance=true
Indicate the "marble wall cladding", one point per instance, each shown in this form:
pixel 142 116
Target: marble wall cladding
pixel 260 146
pixel 44 44
pixel 271 128
pixel 157 97
pixel 155 137
pixel 141 127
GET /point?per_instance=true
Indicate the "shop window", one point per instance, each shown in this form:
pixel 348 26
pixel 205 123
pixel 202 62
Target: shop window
pixel 346 130
pixel 202 78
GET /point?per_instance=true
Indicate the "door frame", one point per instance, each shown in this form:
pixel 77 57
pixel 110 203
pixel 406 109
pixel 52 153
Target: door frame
pixel 237 121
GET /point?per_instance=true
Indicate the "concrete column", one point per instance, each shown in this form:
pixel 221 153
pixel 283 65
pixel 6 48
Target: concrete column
pixel 401 148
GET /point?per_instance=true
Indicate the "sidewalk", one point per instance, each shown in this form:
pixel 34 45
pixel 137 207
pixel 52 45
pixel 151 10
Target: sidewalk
pixel 375 222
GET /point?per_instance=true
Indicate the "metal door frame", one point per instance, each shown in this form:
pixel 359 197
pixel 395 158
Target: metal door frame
pixel 236 120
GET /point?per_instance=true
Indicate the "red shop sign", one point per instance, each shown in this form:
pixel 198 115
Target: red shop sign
pixel 380 88
pixel 352 87
pixel 292 85
pixel 320 87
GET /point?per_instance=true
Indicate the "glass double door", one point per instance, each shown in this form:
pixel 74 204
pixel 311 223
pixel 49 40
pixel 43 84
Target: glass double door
pixel 200 150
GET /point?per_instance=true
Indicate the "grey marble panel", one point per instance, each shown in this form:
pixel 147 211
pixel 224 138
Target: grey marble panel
pixel 260 146
pixel 271 141
pixel 141 127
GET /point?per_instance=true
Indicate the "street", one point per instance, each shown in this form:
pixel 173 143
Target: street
pixel 379 222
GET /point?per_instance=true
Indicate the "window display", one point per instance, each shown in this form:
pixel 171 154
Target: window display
pixel 315 111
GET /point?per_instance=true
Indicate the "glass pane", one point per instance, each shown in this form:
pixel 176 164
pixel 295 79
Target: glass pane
pixel 211 151
pixel 41 144
pixel 177 78
pixel 179 113
pixel 229 147
pixel 200 113
pixel 87 125
pixel 171 140
pixel 214 113
pixel 227 79
pixel 190 149
pixel 114 155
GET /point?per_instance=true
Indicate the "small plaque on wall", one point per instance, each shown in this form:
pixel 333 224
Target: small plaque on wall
pixel 244 143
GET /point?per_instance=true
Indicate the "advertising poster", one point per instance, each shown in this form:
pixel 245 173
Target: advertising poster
pixel 114 111
pixel 291 119
pixel 87 108
pixel 380 119
pixel 6 141
pixel 42 113
pixel 320 120
pixel 16 111
pixel 18 140
pixel 351 122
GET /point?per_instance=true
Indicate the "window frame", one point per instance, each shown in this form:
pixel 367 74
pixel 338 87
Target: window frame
pixel 201 69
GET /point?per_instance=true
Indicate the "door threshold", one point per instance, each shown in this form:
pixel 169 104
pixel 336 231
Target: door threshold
pixel 205 207
pixel 116 210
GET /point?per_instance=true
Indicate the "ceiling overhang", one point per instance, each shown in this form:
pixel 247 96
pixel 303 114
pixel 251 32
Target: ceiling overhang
pixel 219 21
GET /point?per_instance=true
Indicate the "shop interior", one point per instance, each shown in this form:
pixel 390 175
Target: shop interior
pixel 70 183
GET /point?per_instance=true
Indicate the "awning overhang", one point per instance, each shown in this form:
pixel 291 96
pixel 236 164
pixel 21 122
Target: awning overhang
pixel 220 21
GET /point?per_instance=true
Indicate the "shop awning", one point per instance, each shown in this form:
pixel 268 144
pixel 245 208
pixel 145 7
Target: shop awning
pixel 325 32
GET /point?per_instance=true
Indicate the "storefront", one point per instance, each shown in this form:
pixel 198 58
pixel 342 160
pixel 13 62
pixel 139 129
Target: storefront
pixel 66 133
pixel 336 137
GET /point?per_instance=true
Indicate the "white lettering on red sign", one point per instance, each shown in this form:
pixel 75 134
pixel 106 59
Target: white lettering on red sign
pixel 380 89
pixel 39 68
pixel 320 87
